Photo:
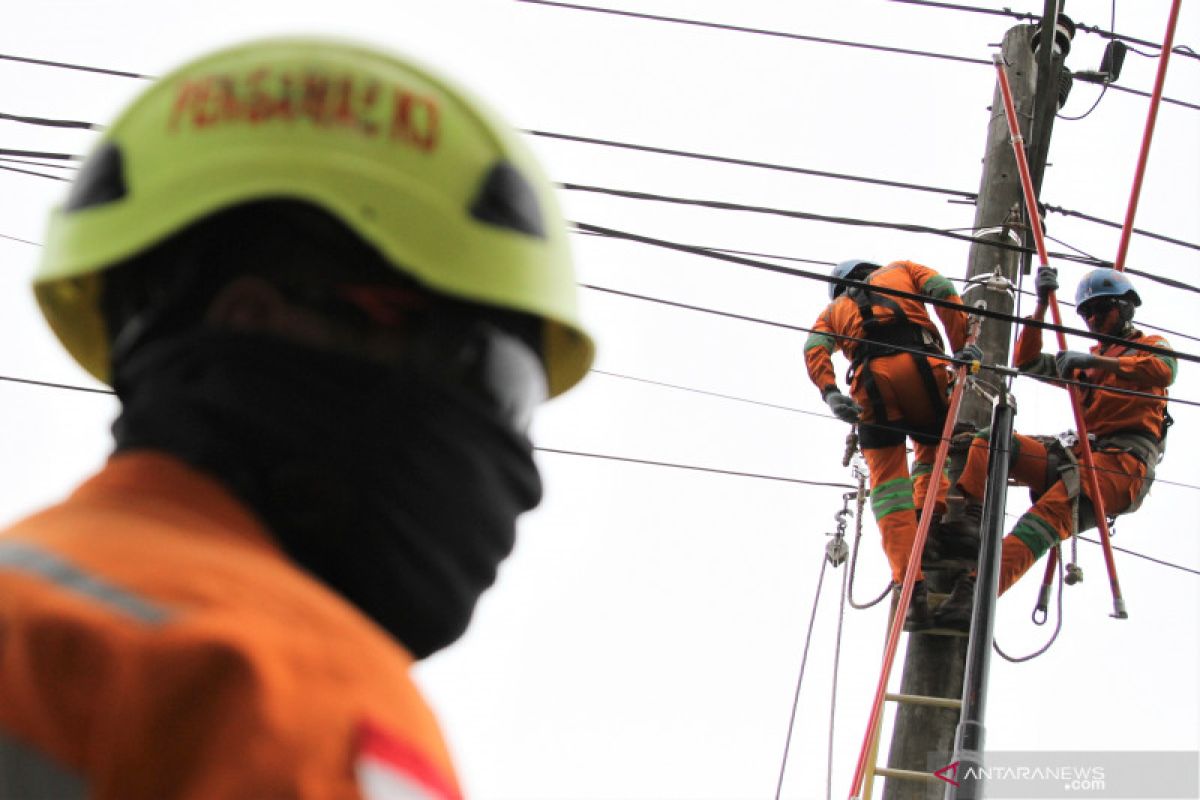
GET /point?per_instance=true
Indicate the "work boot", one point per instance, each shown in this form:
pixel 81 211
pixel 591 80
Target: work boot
pixel 919 616
pixel 957 534
pixel 955 612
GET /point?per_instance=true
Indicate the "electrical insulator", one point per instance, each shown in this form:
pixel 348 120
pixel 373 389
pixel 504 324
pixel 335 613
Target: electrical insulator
pixel 1064 32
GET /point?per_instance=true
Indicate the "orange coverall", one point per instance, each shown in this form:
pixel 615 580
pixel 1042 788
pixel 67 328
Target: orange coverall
pixel 156 644
pixel 900 396
pixel 1120 474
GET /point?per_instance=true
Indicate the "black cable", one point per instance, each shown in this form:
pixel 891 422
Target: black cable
pixel 886 290
pixel 40 154
pixel 899 348
pixel 833 419
pixel 1146 557
pixel 748 163
pixel 81 68
pixel 7 168
pixel 817 39
pixel 1182 50
pixel 721 205
pixel 50 123
pixel 971 196
pixel 736 473
pixel 18 239
pixel 759 31
pixel 1066 212
pixel 39 164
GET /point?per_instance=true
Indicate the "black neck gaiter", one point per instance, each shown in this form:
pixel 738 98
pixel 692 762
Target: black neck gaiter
pixel 400 494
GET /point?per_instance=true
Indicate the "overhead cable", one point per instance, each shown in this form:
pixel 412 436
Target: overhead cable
pixel 825 262
pixel 1182 50
pixel 722 205
pixel 8 168
pixel 983 312
pixel 959 193
pixel 79 67
pixel 802 37
pixel 49 123
pixel 759 31
pixel 757 475
pixel 757 164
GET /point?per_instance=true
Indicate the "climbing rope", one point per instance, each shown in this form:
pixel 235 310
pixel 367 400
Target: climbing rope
pixel 787 745
pixel 1041 606
pixel 861 494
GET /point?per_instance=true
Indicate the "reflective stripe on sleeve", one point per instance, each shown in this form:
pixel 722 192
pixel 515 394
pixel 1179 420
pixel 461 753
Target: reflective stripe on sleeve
pixel 25 558
pixel 24 772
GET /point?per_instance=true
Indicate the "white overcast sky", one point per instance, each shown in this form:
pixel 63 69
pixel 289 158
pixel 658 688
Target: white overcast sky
pixel 644 640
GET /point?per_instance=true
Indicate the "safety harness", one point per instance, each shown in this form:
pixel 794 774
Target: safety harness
pixel 883 338
pixel 1143 445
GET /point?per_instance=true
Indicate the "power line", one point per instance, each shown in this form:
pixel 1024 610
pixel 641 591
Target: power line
pixel 897 428
pixel 758 31
pixel 801 37
pixel 962 194
pixel 49 123
pixel 897 348
pixel 721 205
pixel 826 262
pixel 79 67
pixel 983 312
pixel 8 168
pixel 1182 50
pixel 1146 557
pixel 748 163
pixel 759 476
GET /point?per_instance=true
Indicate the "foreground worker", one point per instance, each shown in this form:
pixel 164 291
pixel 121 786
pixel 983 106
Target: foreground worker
pixel 895 394
pixel 329 289
pixel 1130 433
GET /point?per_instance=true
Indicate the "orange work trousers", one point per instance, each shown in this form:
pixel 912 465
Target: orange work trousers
pixel 1051 518
pixel 898 405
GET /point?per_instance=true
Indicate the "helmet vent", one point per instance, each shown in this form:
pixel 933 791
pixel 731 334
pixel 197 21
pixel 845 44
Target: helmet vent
pixel 506 199
pixel 101 179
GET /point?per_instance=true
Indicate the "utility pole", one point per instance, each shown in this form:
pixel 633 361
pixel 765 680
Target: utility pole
pixel 923 735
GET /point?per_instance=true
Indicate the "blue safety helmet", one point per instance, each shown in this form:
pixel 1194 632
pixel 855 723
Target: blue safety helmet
pixel 1105 282
pixel 847 269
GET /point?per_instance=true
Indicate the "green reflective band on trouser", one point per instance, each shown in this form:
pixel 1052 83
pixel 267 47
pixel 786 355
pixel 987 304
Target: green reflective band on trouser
pixel 1037 534
pixel 892 496
pixel 822 340
pixel 939 287
pixel 922 468
pixel 24 772
pixel 26 558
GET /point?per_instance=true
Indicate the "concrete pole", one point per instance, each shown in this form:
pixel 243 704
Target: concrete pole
pixel 923 736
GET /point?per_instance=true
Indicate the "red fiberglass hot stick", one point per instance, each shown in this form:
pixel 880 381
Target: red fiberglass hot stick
pixel 914 559
pixel 1139 173
pixel 1035 222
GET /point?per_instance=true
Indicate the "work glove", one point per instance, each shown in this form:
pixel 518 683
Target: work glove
pixel 1046 283
pixel 843 407
pixel 1067 361
pixel 970 352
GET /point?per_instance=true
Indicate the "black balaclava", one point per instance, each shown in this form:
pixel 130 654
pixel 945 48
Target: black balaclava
pixel 398 492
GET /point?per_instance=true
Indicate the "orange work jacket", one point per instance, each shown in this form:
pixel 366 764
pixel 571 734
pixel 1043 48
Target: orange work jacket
pixel 1107 413
pixel 155 643
pixel 843 318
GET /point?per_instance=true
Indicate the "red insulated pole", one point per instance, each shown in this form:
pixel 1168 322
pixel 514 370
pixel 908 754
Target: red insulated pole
pixel 1085 447
pixel 1144 155
pixel 910 573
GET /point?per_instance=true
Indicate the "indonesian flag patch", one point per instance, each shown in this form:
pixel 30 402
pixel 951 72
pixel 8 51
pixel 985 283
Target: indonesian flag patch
pixel 389 768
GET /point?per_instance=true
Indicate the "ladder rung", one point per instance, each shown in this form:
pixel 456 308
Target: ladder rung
pixel 906 774
pixel 922 700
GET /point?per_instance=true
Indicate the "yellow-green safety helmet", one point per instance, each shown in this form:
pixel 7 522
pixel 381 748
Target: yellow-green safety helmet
pixel 417 167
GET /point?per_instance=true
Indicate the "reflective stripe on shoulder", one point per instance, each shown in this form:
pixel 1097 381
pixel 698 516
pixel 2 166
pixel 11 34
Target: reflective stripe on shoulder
pixel 27 558
pixel 24 772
